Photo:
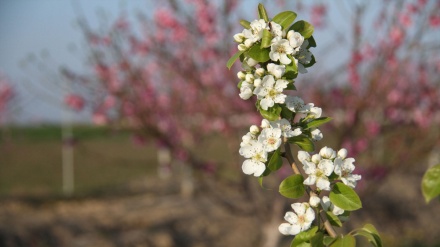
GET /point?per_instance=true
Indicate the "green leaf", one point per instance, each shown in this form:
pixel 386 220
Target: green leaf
pixel 312 42
pixel 345 197
pixel 266 39
pixel 291 70
pixel 234 58
pixel 303 142
pixel 317 122
pixel 290 86
pixel 431 183
pixel 317 240
pixel 303 27
pixel 239 84
pixel 285 18
pixel 303 237
pixel 311 63
pixel 262 12
pixel 370 233
pixel 245 24
pixel 328 240
pixel 257 53
pixel 293 187
pixel 272 113
pixel 275 161
pixel 285 112
pixel 333 219
pixel 344 241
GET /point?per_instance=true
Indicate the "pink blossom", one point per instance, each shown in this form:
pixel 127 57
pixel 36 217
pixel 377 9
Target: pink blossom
pixel 434 21
pixel 99 118
pixel 74 102
pixel 405 20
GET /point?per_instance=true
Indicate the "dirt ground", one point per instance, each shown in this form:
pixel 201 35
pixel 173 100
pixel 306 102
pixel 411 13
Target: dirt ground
pixel 152 212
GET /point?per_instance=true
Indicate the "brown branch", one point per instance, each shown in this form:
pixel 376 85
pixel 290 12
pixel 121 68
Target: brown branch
pixel 295 169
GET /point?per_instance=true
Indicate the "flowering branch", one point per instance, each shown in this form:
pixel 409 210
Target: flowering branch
pixel 273 52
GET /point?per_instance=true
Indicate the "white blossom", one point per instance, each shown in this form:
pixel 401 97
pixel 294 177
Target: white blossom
pixel 299 220
pixel 259 72
pixel 245 92
pixel 256 157
pixel 327 205
pixel 318 173
pixel 254 129
pixel 286 128
pixel 303 57
pixel 344 168
pixel 327 153
pixel 342 153
pixel 241 75
pixel 270 92
pixel 295 39
pixel 255 33
pixel 304 156
pixel 239 37
pixel 314 200
pixel 276 70
pixel 279 50
pixel 315 112
pixel 265 124
pixel 271 139
pixel 296 104
pixel 276 29
pixel 316 135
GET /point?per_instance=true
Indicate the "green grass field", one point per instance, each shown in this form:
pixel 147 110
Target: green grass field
pixel 31 160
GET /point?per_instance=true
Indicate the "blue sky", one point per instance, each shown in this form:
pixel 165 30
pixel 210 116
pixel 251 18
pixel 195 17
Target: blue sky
pixel 47 28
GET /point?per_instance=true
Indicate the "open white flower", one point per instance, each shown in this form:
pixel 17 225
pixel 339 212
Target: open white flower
pixel 296 104
pixel 279 50
pixel 276 70
pixel 271 92
pixel 344 168
pixel 299 220
pixel 318 174
pixel 276 29
pixel 303 57
pixel 256 157
pixel 304 156
pixel 327 205
pixel 270 138
pixel 315 112
pixel 286 128
pixel 342 153
pixel 255 33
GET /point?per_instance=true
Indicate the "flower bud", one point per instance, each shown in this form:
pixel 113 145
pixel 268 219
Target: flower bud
pixel 250 78
pixel 342 153
pixel 239 37
pixel 265 123
pixel 314 201
pixel 242 47
pixel 260 72
pixel 241 75
pixel 254 129
pixel 257 82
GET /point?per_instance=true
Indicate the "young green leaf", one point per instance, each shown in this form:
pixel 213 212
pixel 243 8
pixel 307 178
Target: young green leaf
pixel 262 12
pixel 272 114
pixel 317 240
pixel 303 142
pixel 328 240
pixel 431 183
pixel 285 112
pixel 312 42
pixel 303 238
pixel 370 233
pixel 292 186
pixel 245 24
pixel 234 58
pixel 259 54
pixel 304 28
pixel 317 122
pixel 333 219
pixel 275 161
pixel 291 70
pixel 345 197
pixel 266 39
pixel 344 241
pixel 285 18
pixel 311 63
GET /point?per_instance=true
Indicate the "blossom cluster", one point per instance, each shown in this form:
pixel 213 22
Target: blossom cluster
pixel 321 166
pixel 285 47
